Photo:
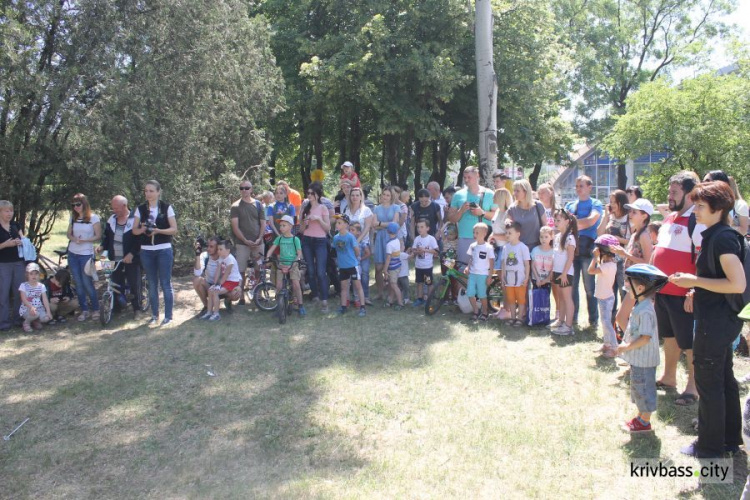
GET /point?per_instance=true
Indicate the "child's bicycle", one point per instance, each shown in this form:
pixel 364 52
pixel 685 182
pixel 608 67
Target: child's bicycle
pixel 437 296
pixel 267 299
pixel 107 302
pixel 259 277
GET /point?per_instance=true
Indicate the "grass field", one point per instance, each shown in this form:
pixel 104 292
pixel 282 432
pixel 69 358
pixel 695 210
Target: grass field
pixel 392 405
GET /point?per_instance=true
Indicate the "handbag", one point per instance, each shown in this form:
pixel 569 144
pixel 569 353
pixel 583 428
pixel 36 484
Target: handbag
pixel 90 269
pixel 539 306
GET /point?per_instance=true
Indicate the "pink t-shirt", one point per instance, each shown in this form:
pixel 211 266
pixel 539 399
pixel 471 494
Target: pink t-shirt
pixel 314 229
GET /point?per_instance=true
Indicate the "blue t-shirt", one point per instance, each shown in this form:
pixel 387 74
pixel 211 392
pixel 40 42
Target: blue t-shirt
pixel 467 221
pixel 279 209
pixel 344 245
pixel 582 209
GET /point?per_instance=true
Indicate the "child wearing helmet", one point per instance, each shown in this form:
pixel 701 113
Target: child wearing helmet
pixel 640 346
pixel 604 267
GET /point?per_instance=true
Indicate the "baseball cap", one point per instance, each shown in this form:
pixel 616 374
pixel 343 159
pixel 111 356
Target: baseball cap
pixel 392 228
pixel 641 204
pixel 33 266
pixel 344 218
pixel 347 164
pixel 288 219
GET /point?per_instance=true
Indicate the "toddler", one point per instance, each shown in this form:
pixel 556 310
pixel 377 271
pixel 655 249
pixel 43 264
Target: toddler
pixel 481 262
pixel 34 308
pixel 348 174
pixel 514 273
pixel 653 231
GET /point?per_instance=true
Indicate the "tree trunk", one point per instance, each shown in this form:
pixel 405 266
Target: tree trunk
pixel 534 175
pixel 391 145
pixel 445 151
pixel 342 143
pixel 418 157
pixel 408 149
pixel 622 177
pixel 355 142
pixel 486 90
pixel 382 166
pixel 463 162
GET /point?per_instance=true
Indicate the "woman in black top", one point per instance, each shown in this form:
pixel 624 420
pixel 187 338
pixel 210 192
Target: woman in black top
pixel 716 322
pixel 12 272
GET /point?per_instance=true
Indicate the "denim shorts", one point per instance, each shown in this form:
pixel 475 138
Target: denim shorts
pixel 477 286
pixel 643 388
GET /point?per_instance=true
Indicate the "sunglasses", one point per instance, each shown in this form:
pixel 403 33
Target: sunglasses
pixel 77 204
pixel 310 192
pixel 245 188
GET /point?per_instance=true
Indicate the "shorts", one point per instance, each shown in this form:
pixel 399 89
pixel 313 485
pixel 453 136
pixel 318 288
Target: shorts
pixel 477 286
pixel 673 321
pixel 643 388
pixel 243 253
pixel 424 276
pixel 515 295
pixel 230 285
pixel 346 273
pixel 393 275
pixel 556 280
pixel 293 270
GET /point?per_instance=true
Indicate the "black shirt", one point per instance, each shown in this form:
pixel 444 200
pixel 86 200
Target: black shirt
pixel 430 213
pixel 711 304
pixel 9 254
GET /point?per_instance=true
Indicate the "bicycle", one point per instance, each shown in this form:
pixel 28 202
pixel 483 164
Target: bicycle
pixel 107 302
pixel 267 298
pixel 437 296
pixel 260 276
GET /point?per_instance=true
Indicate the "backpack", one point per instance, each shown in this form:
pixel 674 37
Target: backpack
pixel 736 301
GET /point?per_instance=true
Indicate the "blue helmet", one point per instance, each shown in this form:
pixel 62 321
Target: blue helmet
pixel 649 274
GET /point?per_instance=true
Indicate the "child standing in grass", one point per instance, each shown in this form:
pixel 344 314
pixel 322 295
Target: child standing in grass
pixel 562 270
pixel 364 259
pixel 290 250
pixel 514 273
pixel 481 265
pixel 392 266
pixel 543 258
pixel 604 267
pixel 34 303
pixel 347 253
pixel 640 346
pixel 424 248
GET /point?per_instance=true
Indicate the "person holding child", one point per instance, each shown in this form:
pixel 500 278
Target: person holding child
pixel 481 263
pixel 514 274
pixel 227 277
pixel 564 249
pixel 604 267
pixel 34 308
pixel 348 255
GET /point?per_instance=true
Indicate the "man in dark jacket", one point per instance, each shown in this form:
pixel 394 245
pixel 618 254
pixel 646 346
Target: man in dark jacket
pixel 120 243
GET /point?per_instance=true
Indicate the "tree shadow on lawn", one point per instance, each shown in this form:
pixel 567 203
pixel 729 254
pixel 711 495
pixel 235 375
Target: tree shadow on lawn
pixel 136 413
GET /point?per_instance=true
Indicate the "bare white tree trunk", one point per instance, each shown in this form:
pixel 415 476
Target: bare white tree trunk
pixel 486 90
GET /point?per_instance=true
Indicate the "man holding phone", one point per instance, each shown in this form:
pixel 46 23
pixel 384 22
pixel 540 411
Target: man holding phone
pixel 471 204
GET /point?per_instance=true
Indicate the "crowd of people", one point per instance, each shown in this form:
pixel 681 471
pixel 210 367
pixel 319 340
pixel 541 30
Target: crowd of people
pixel 643 280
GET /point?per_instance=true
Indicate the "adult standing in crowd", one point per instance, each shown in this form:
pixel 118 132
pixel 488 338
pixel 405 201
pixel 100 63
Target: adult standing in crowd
pixel 342 199
pixel 501 180
pixel 358 212
pixel 588 212
pixel 675 253
pixel 427 210
pixel 248 224
pixel 156 223
pixel 528 212
pixel 83 230
pixel 738 216
pixel 634 193
pixel 546 193
pixel 121 245
pixel 470 204
pixel 385 213
pixel 294 196
pixel 315 224
pixel 719 275
pixel 437 196
pixel 12 267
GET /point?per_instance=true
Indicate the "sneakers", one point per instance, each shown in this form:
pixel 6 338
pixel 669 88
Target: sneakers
pixel 636 425
pixel 60 319
pixel 362 312
pixel 324 309
pixel 95 316
pixel 213 317
pixel 407 301
pixel 554 324
pixel 84 316
pixel 562 330
pixel 167 321
pixel 418 302
pixel 341 310
pixel 154 320
pixel 302 313
pixel 207 315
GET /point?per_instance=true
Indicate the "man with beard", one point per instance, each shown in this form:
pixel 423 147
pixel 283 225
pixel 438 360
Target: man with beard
pixel 676 252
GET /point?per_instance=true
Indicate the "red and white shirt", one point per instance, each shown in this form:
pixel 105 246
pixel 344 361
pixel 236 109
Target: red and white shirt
pixel 672 253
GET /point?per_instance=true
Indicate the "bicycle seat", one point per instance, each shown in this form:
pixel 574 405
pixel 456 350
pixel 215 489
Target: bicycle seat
pixel 60 253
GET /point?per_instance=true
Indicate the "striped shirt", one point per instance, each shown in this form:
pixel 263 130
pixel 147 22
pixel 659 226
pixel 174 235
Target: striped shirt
pixel 673 250
pixel 642 322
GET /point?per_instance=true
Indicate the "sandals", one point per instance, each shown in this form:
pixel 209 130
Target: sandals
pixel 27 327
pixel 686 399
pixel 666 387
pixel 475 317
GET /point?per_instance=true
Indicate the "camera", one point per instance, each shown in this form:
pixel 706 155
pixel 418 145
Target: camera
pixel 199 245
pixel 150 226
pixel 473 205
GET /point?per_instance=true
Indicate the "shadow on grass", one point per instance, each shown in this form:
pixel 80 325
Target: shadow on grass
pixel 134 411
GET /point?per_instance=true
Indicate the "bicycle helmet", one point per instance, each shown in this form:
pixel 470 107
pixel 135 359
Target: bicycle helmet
pixel 605 241
pixel 649 274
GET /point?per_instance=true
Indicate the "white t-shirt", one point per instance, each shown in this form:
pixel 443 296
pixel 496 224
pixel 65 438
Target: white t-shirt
pixel 152 214
pixel 234 274
pixel 427 243
pixel 515 257
pixel 84 230
pixel 404 210
pixel 359 216
pixel 606 280
pixel 404 271
pixel 33 295
pixel 480 258
pixel 208 266
pixel 740 209
pixel 561 254
pixel 393 248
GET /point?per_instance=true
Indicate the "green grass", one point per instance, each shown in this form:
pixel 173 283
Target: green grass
pixel 393 405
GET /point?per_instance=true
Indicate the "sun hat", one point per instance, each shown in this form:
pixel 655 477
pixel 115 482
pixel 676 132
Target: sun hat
pixel 643 205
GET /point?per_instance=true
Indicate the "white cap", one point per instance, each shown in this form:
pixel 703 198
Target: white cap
pixel 643 205
pixel 288 219
pixel 347 164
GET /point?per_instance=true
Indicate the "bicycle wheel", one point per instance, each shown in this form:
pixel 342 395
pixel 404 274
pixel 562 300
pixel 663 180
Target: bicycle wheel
pixel 264 296
pixel 435 299
pixel 105 306
pixel 145 301
pixel 495 295
pixel 281 310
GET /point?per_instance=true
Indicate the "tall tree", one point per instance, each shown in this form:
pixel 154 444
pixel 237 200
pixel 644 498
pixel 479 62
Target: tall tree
pixel 486 89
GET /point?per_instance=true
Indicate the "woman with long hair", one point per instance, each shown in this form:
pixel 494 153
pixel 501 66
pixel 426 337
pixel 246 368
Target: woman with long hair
pixel 315 223
pixel 357 211
pixel 527 211
pixel 84 229
pixel 156 222
pixel 388 211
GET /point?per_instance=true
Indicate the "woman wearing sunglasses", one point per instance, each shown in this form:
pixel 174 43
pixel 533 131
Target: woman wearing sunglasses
pixel 84 229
